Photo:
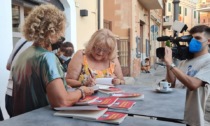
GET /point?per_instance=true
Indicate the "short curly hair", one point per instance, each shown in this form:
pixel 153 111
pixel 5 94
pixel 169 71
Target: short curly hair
pixel 103 38
pixel 43 21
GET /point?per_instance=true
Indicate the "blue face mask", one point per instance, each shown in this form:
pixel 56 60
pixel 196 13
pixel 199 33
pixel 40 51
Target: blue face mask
pixel 195 46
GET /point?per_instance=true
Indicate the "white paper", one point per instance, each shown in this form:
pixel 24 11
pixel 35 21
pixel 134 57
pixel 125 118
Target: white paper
pixel 105 81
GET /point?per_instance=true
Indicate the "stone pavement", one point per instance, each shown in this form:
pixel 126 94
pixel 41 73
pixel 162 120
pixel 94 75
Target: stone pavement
pixel 150 79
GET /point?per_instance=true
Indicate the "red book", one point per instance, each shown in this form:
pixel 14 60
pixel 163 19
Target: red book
pixel 122 104
pixel 112 117
pixel 108 117
pixel 128 96
pixel 87 100
pixel 104 101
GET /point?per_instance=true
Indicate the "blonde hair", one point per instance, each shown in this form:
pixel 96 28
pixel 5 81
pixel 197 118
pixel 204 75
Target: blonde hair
pixel 42 22
pixel 103 38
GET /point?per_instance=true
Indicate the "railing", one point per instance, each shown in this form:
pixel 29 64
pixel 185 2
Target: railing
pixel 203 5
pixel 123 49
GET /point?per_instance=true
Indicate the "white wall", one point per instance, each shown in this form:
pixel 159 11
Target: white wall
pixel 70 11
pixel 6 48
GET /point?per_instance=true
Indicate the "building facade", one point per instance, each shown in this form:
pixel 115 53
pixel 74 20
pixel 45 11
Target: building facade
pixel 132 22
pixel 203 8
pixel 187 14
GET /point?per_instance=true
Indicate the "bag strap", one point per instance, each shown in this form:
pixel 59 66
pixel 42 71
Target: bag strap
pixel 18 50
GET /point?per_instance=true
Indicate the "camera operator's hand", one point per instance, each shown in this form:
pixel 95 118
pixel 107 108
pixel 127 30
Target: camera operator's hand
pixel 168 56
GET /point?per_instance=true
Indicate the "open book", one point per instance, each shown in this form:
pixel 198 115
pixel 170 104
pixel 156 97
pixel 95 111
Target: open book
pixel 104 81
pixel 128 96
pixel 111 90
pixel 123 104
pixel 109 117
pixel 104 101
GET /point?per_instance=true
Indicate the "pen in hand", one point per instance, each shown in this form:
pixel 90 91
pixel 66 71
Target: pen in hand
pixel 92 78
pixel 90 73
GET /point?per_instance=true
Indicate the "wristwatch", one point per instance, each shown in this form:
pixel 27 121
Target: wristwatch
pixel 172 66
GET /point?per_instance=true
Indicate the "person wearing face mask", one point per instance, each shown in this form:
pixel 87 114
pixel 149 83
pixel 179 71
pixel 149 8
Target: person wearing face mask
pixel 97 60
pixel 194 75
pixel 64 54
pixel 38 78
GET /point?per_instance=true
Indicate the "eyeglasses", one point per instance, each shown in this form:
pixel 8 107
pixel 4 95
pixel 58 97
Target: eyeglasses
pixel 99 49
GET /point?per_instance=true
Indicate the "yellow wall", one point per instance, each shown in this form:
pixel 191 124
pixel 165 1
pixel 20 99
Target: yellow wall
pixel 86 25
pixel 153 42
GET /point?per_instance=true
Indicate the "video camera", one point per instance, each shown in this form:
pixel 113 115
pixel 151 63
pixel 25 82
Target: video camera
pixel 179 51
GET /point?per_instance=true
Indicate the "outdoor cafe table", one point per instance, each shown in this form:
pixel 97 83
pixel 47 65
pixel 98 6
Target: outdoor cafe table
pixel 163 106
pixel 44 117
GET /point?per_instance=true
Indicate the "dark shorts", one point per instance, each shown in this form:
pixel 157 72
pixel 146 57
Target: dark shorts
pixel 8 104
pixel 1 116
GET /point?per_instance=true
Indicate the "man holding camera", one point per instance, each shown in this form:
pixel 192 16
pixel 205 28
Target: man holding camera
pixel 194 75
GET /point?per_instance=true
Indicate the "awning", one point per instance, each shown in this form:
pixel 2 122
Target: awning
pixel 207 9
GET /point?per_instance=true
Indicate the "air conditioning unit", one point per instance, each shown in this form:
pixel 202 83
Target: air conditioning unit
pixel 167 21
pixel 166 18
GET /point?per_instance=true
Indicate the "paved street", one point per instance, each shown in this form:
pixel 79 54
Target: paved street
pixel 151 78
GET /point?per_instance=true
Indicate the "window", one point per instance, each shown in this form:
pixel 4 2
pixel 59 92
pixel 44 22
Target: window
pixel 15 18
pixel 169 7
pixel 180 10
pixel 194 14
pixel 185 12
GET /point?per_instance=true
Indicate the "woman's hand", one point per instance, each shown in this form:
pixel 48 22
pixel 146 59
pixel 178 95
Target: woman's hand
pixel 116 81
pixel 87 90
pixel 90 82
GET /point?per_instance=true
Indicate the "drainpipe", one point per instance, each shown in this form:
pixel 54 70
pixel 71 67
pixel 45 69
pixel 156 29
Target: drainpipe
pixel 176 12
pixel 176 15
pixel 176 9
pixel 99 14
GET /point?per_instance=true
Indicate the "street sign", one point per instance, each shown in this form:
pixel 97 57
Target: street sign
pixel 154 28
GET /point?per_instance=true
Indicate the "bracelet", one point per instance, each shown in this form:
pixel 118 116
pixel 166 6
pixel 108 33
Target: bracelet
pixel 82 92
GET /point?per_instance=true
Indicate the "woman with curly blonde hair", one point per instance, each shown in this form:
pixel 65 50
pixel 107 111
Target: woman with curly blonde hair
pixel 38 77
pixel 98 60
